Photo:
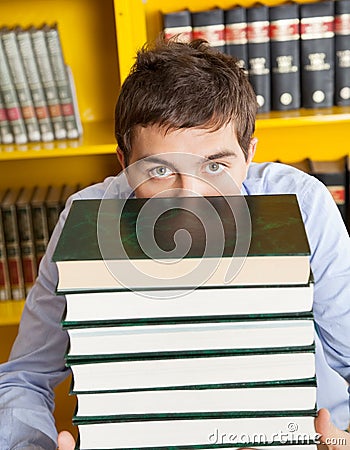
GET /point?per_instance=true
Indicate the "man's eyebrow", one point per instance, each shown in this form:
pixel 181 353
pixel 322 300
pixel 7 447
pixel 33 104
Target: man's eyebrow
pixel 221 154
pixel 154 159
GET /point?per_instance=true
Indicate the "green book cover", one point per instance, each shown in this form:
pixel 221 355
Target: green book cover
pixel 188 241
pixel 276 226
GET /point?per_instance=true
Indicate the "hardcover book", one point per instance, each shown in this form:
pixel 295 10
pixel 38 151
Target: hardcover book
pixel 237 240
pixel 165 306
pixel 178 24
pixel 259 59
pixel 285 57
pixel 236 34
pixel 21 84
pixel 342 52
pixel 35 84
pixel 317 54
pixel 40 228
pixel 209 25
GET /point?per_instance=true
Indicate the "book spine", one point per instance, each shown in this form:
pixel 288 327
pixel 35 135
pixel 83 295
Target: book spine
pixel 5 286
pixel 21 85
pixel 48 81
pixel 209 25
pixel 317 54
pixel 13 252
pixel 35 85
pixel 236 34
pixel 62 81
pixel 40 230
pixel 53 209
pixel 6 136
pixel 259 55
pixel 13 110
pixel 26 239
pixel 178 24
pixel 285 57
pixel 342 52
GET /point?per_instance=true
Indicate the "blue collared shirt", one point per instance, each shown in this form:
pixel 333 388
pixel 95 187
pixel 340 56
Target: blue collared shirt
pixel 36 363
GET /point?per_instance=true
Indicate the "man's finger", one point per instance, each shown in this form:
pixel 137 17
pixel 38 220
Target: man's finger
pixel 334 438
pixel 66 441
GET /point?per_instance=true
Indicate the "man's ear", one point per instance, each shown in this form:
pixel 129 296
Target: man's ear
pixel 121 158
pixel 252 149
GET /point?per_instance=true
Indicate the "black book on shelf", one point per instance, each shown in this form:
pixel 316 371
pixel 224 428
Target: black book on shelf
pixel 259 54
pixel 209 25
pixel 317 54
pixel 333 174
pixel 285 57
pixel 178 24
pixel 236 34
pixel 342 52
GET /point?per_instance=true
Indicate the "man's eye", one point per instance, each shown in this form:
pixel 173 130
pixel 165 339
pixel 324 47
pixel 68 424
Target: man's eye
pixel 160 172
pixel 214 167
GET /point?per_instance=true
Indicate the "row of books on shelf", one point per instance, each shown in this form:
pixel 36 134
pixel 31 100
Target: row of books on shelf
pixel 37 93
pixel 27 218
pixel 163 361
pixel 296 55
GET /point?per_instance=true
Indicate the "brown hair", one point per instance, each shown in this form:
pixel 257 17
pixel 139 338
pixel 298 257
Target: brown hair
pixel 184 85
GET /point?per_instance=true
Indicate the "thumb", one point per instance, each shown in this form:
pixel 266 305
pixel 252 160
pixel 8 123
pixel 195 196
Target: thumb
pixel 331 435
pixel 65 441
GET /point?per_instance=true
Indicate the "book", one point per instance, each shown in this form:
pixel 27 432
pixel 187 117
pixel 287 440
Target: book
pixel 11 103
pixel 333 174
pixel 48 81
pixel 53 206
pixel 342 52
pixel 5 286
pixel 285 56
pixel 272 398
pixel 63 84
pixel 317 54
pixel 110 244
pixel 188 339
pixel 13 250
pixel 40 230
pixel 195 433
pixel 236 34
pixel 35 84
pixel 6 136
pixel 165 306
pixel 20 82
pixel 102 375
pixel 26 237
pixel 178 24
pixel 259 60
pixel 209 25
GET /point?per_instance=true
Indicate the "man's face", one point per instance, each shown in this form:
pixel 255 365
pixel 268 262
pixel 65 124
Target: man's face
pixel 187 162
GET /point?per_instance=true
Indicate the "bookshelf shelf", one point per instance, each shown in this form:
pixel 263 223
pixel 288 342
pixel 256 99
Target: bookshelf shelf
pixel 10 312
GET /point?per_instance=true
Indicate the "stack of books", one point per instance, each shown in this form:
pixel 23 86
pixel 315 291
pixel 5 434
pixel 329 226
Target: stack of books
pixel 189 340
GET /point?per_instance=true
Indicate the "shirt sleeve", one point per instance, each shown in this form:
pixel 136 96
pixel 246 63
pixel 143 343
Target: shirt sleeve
pixel 330 264
pixel 36 364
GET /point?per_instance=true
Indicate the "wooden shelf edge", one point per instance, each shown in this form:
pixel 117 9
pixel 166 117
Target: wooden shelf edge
pixel 303 117
pixel 11 311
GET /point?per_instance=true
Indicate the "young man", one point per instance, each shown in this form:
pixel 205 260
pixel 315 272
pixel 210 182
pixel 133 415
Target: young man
pixel 184 125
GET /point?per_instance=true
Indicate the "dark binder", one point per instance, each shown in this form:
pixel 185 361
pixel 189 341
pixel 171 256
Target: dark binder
pixel 259 54
pixel 178 24
pixel 317 54
pixel 209 25
pixel 342 52
pixel 236 34
pixel 285 57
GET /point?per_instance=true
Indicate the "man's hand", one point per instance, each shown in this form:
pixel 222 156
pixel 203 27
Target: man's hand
pixel 66 441
pixel 334 438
